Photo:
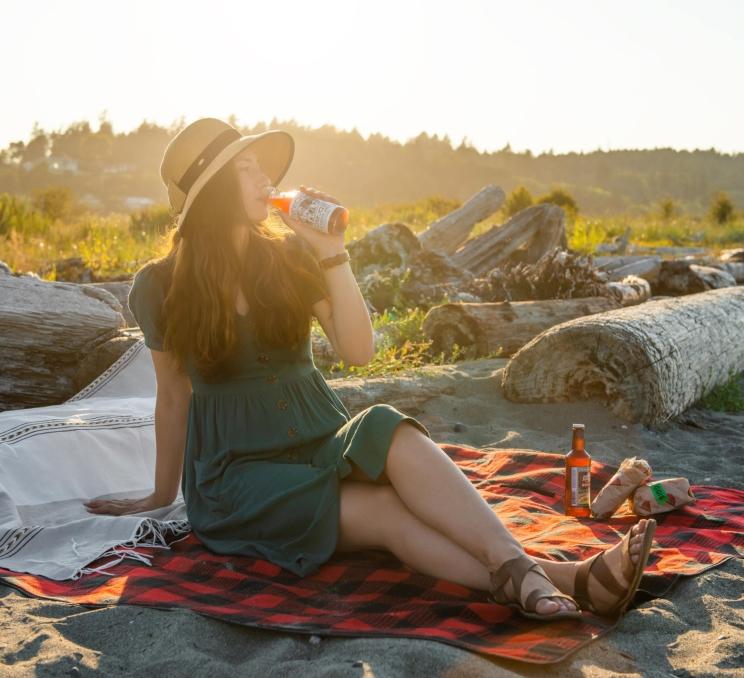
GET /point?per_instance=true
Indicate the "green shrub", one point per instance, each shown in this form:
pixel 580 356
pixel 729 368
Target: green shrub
pixel 562 198
pixel 56 202
pixel 152 220
pixel 721 208
pixel 520 198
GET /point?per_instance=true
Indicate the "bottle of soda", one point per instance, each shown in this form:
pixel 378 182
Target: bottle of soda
pixel 321 214
pixel 577 501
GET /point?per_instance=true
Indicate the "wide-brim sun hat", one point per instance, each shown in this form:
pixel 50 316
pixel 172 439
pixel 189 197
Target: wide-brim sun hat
pixel 200 149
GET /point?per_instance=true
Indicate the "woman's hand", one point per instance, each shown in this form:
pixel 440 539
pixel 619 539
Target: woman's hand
pixel 120 507
pixel 324 244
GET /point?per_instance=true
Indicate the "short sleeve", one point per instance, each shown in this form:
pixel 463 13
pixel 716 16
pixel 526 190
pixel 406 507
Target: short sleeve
pixel 145 301
pixel 313 287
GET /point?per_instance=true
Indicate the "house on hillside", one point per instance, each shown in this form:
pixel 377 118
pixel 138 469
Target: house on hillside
pixel 62 164
pixel 120 168
pixel 133 202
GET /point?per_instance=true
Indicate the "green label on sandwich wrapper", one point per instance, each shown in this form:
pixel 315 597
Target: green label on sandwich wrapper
pixel 657 489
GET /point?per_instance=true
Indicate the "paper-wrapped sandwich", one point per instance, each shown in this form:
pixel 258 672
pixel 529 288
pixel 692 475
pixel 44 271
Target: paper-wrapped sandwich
pixel 631 474
pixel 661 496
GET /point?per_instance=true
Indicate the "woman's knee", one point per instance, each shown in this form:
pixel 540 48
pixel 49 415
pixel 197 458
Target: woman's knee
pixel 368 515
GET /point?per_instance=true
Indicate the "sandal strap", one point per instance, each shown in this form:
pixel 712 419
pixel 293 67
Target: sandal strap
pixel 516 569
pixel 597 566
pixel 513 569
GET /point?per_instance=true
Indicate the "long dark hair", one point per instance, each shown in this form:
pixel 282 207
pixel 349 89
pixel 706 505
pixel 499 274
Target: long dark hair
pixel 203 272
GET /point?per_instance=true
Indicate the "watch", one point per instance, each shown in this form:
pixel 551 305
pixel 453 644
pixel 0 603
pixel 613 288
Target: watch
pixel 335 260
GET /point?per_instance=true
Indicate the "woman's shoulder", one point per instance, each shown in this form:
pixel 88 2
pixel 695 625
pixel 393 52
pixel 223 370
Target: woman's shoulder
pixel 154 274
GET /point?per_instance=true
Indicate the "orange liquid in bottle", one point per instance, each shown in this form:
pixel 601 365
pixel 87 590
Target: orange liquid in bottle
pixel 576 499
pixel 337 222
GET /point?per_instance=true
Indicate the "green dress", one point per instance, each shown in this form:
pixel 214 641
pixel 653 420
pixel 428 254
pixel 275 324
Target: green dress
pixel 266 447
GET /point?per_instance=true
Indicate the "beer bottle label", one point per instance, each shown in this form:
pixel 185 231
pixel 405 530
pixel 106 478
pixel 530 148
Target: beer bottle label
pixel 312 211
pixel 580 479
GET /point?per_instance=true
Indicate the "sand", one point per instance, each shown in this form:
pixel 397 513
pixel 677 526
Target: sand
pixel 697 629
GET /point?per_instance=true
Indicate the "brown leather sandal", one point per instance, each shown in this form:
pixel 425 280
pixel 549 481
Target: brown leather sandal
pixel 515 570
pixel 597 566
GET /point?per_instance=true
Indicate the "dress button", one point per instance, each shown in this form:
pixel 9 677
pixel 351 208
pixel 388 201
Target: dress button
pixel 292 431
pixel 282 404
pixel 262 357
pixel 271 378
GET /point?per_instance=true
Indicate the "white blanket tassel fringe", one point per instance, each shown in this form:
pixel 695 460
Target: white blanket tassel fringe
pixel 148 534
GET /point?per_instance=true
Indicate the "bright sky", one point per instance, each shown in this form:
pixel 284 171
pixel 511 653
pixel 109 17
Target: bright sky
pixel 538 74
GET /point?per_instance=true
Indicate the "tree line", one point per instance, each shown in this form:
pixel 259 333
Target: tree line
pixel 106 167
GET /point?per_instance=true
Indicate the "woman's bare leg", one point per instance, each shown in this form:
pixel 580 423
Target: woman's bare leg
pixel 374 516
pixel 437 492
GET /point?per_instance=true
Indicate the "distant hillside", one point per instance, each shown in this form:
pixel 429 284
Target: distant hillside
pixel 120 171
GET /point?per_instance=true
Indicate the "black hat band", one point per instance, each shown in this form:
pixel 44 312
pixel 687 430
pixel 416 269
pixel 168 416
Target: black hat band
pixel 212 150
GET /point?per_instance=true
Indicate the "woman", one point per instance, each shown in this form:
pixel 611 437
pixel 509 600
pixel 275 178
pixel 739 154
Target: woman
pixel 271 464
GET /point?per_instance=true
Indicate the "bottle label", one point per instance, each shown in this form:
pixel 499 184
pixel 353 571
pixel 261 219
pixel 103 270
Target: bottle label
pixel 312 211
pixel 580 485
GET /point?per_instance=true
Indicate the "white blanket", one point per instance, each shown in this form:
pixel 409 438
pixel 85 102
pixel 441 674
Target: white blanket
pixel 100 442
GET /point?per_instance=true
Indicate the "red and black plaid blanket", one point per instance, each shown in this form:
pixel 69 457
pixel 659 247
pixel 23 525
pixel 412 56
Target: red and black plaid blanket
pixel 372 593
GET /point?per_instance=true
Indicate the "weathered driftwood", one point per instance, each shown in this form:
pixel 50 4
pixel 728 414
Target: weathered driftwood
pixel 734 268
pixel 488 328
pixel 47 331
pixel 617 268
pixel 409 392
pixel 406 275
pixel 648 362
pixel 670 251
pixel 445 235
pixel 629 291
pixel 734 255
pixel 526 237
pixel 617 245
pixel 682 277
pixel 556 275
pixel 120 290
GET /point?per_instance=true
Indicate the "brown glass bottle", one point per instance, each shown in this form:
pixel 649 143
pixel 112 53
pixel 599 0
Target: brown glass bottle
pixel 576 500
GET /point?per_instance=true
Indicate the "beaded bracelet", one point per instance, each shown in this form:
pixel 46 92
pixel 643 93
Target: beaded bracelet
pixel 335 260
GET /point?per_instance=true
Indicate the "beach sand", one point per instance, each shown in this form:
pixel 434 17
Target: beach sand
pixel 697 629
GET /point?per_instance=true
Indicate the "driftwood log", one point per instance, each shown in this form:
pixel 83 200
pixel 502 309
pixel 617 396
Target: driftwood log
pixel 53 336
pixel 682 277
pixel 648 362
pixel 445 235
pixel 617 268
pixel 629 291
pixel 489 328
pixel 526 237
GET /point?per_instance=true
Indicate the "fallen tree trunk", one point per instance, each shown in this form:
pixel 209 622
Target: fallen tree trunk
pixel 537 229
pixel 618 268
pixel 482 329
pixel 446 234
pixel 48 330
pixel 648 362
pixel 630 290
pixel 683 277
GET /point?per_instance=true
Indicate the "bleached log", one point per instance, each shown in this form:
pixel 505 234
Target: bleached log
pixel 445 235
pixel 630 290
pixel 648 362
pixel 486 328
pixel 47 329
pixel 682 277
pixel 538 229
pixel 617 268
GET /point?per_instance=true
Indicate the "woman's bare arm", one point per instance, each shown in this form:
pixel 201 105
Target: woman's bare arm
pixel 171 412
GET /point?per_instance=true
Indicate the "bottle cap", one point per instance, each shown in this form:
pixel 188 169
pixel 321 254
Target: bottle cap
pixel 575 426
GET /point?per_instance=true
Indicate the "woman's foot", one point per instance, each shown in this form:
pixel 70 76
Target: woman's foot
pixel 606 582
pixel 521 583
